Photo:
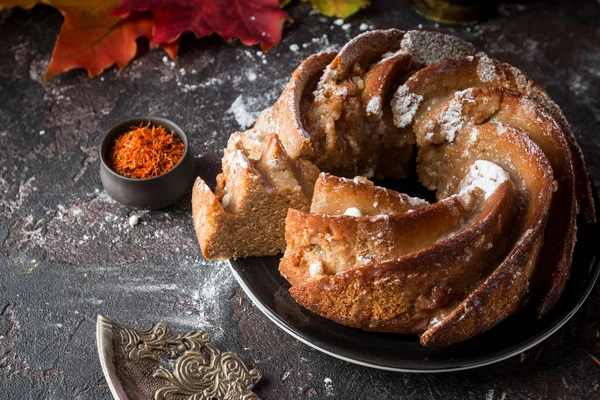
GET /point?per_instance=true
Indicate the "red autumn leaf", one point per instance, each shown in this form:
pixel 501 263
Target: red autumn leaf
pixel 93 38
pixel 252 21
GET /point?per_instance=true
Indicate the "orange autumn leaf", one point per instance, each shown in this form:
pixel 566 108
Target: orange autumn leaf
pixel 95 36
pixel 171 48
pixel 90 37
pixel 252 21
pixel 96 44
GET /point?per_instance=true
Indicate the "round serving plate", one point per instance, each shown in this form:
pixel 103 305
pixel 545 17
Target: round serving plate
pixel 260 279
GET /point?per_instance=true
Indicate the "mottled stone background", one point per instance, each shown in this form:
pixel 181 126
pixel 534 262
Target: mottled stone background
pixel 68 252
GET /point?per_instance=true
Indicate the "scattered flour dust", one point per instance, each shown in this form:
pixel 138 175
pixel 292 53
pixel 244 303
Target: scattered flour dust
pixel 321 44
pixel 239 109
pixel 329 391
pixel 26 189
pixel 206 300
pixel 245 109
pixel 251 75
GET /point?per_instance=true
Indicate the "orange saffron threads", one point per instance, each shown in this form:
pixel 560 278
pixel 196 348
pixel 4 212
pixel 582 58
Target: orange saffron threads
pixel 145 152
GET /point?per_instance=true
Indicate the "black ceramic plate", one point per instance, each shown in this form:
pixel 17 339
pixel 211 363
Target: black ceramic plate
pixel 261 280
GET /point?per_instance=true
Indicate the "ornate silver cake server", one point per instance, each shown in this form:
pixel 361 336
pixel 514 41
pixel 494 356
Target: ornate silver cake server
pixel 158 364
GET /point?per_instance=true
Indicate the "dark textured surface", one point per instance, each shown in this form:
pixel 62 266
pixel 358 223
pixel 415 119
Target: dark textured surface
pixel 68 252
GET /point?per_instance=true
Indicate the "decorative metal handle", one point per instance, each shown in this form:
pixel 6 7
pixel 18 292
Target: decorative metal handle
pixel 158 364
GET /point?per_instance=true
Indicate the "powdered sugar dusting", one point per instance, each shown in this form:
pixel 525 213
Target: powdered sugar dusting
pixel 240 160
pixel 474 135
pixel 484 175
pixel 226 200
pixel 315 269
pixel 414 201
pixel 486 70
pixel 521 80
pixel 235 157
pixel 429 47
pixel 451 120
pixel 501 128
pixel 353 211
pixel 391 54
pixel 374 106
pixel 325 89
pixel 405 106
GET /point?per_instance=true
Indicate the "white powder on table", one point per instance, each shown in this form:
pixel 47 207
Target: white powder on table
pixel 243 117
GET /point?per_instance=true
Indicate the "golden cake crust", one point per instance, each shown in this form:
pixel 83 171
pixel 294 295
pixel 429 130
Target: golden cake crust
pixel 507 172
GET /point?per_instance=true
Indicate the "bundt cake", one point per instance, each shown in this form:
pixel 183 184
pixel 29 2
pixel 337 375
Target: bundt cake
pixel 506 170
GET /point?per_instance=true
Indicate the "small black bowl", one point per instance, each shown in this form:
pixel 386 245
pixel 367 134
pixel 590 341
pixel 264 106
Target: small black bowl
pixel 150 193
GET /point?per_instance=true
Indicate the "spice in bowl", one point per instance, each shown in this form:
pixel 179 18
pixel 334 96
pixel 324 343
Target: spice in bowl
pixel 145 151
